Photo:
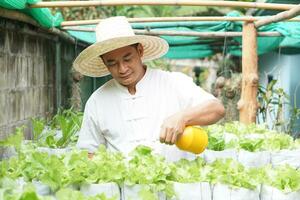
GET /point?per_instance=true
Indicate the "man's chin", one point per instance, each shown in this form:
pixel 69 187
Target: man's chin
pixel 126 83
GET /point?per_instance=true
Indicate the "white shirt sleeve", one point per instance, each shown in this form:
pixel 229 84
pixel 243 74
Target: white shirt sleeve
pixel 188 92
pixel 90 136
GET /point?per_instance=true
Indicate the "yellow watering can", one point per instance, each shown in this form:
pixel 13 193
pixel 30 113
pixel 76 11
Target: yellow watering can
pixel 193 139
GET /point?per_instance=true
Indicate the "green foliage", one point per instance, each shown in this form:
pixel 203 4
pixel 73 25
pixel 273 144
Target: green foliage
pixel 106 167
pixel 66 121
pixel 10 190
pixel 159 64
pixel 232 173
pixel 185 171
pixel 251 144
pixel 284 178
pixel 248 137
pixel 272 101
pixel 144 168
pixel 69 122
pixel 98 12
pixel 14 140
pixel 216 142
pixel 38 126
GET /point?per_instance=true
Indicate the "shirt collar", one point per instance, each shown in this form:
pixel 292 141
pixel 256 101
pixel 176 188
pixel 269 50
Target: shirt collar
pixel 140 86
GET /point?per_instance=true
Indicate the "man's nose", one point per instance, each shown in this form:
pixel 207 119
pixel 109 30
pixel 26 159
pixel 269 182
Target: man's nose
pixel 122 67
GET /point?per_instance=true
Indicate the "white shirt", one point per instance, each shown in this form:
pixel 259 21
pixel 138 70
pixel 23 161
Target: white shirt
pixel 121 121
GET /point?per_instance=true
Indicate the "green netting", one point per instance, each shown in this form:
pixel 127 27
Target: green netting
pixel 199 47
pixel 189 51
pixel 13 4
pixel 42 15
pixel 88 37
pixel 182 46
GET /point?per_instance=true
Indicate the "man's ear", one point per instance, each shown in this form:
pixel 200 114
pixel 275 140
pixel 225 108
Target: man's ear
pixel 140 49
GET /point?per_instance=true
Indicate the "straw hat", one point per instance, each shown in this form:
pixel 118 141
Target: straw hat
pixel 113 33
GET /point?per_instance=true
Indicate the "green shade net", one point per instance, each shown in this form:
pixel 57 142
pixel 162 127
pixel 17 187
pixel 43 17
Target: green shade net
pixel 200 47
pixel 182 46
pixel 42 15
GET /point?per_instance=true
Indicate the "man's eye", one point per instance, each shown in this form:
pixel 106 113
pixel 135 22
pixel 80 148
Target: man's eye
pixel 127 59
pixel 111 64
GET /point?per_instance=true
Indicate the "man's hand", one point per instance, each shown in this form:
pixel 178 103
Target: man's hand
pixel 90 156
pixel 171 128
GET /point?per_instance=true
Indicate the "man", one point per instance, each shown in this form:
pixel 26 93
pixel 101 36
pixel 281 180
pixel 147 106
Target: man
pixel 139 105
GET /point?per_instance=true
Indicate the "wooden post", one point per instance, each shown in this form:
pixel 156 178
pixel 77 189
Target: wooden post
pixel 248 104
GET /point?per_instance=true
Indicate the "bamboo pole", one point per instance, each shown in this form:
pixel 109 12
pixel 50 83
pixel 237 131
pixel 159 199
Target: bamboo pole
pixel 279 17
pixel 269 6
pixel 204 34
pixel 248 104
pixel 171 19
pixel 184 33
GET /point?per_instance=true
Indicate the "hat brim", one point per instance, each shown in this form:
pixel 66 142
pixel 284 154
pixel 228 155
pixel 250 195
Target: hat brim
pixel 89 62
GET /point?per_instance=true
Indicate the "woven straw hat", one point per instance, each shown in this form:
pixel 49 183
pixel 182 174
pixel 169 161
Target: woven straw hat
pixel 113 33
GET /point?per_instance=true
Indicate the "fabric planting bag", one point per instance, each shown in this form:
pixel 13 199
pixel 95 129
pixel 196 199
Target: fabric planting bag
pixel 109 189
pixel 190 191
pixel 41 188
pixel 52 151
pixel 291 157
pixel 254 159
pixel 225 192
pixel 210 156
pixel 272 193
pixel 134 192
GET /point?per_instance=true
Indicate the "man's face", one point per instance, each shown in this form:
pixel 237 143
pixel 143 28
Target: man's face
pixel 125 64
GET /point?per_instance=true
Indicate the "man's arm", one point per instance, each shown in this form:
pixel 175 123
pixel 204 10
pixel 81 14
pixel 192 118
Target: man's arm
pixel 207 113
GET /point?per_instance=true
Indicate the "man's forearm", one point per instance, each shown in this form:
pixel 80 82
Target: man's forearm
pixel 204 114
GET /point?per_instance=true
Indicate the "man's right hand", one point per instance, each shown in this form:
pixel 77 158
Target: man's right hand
pixel 171 128
pixel 90 155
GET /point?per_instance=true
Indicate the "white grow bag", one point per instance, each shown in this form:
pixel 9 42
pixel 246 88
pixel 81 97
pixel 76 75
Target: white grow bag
pixel 224 192
pixel 271 193
pixel 109 189
pixel 282 157
pixel 210 156
pixel 230 137
pixel 51 151
pixel 132 193
pixel 190 191
pixel 41 188
pixel 254 159
pixel 7 152
pixel 20 183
